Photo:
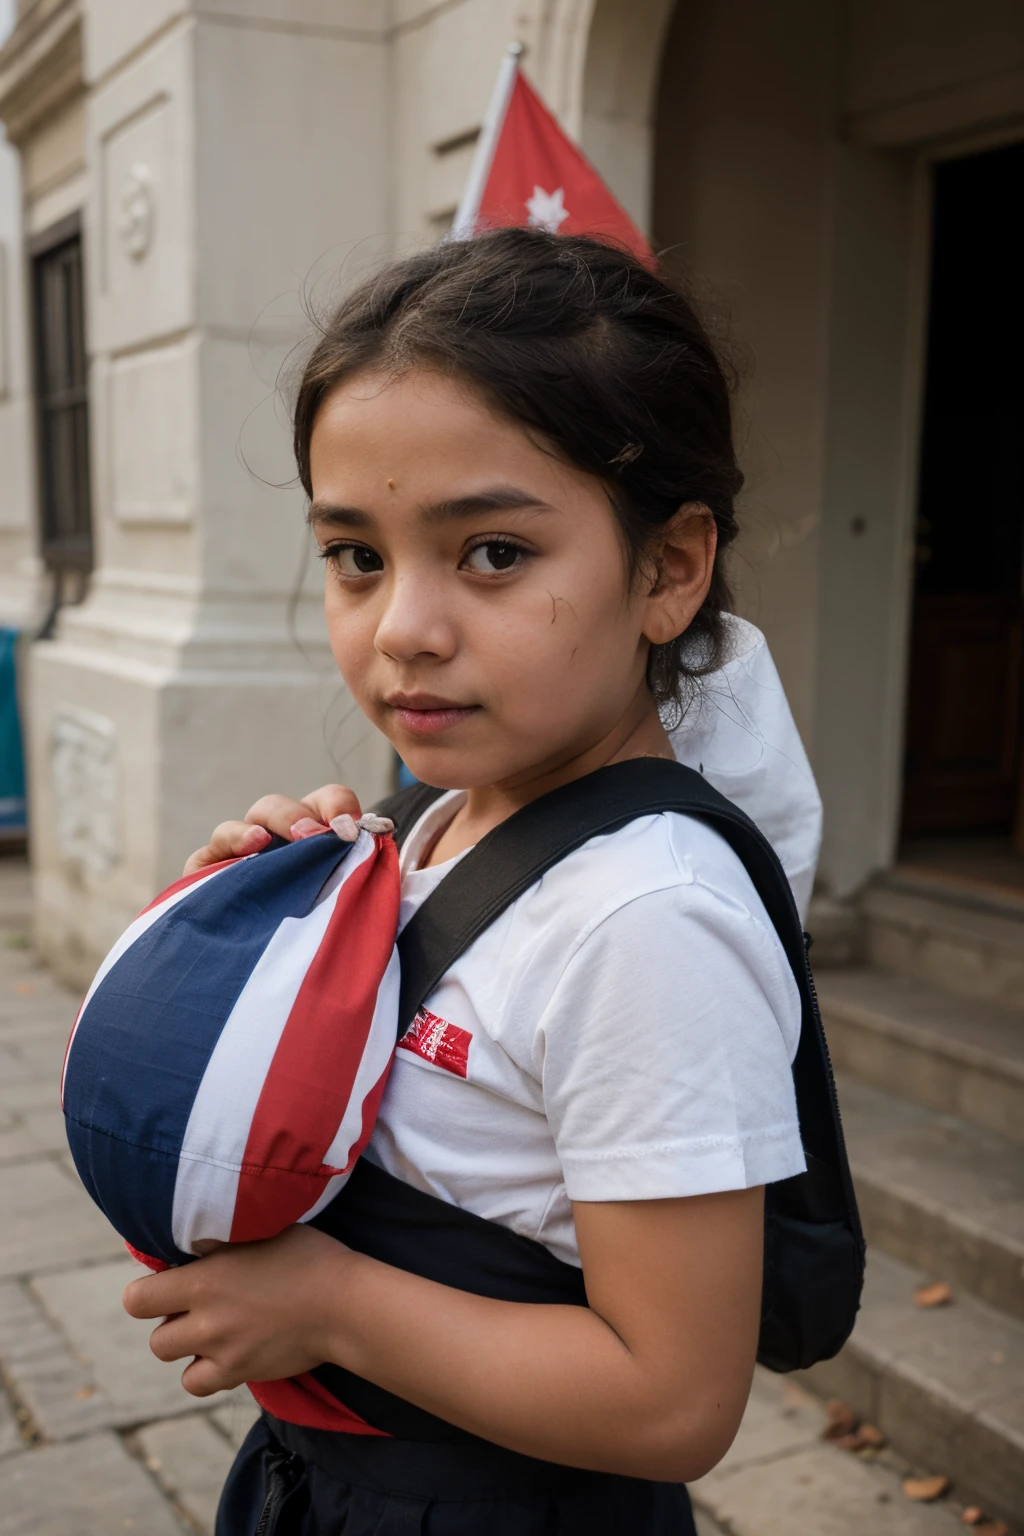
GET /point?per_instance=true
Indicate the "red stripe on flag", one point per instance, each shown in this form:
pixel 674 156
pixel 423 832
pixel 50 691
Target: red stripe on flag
pixel 303 1400
pixel 299 1109
pixel 156 1265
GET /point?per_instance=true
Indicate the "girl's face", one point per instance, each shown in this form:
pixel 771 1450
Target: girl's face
pixel 477 595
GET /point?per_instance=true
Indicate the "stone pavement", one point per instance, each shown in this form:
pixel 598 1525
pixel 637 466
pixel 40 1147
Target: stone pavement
pixel 97 1437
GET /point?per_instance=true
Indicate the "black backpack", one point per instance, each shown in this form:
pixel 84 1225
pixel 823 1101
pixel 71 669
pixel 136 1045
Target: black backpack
pixel 813 1243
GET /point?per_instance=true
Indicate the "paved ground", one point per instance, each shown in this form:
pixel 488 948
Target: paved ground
pixel 97 1437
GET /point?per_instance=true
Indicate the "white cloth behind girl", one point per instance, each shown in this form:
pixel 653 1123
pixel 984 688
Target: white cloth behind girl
pixel 740 733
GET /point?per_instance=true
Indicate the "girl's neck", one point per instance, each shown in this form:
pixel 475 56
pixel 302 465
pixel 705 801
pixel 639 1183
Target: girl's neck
pixel 639 734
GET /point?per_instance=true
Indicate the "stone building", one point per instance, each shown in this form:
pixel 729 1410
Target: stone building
pixel 844 177
pixel 180 177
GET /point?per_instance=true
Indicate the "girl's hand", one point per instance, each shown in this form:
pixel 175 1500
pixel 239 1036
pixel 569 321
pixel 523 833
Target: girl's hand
pixel 275 814
pixel 248 1312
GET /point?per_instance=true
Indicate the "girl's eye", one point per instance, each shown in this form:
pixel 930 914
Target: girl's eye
pixel 353 559
pixel 495 556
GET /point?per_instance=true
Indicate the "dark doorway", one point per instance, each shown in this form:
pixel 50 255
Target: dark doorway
pixel 964 707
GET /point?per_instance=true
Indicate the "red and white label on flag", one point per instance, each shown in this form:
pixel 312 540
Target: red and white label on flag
pixel 539 177
pixel 433 1038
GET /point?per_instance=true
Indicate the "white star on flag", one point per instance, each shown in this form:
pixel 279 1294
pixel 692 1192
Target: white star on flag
pixel 547 210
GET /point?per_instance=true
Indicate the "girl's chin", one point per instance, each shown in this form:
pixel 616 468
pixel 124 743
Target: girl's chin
pixel 444 766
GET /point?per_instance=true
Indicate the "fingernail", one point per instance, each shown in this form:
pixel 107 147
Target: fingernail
pixel 306 827
pixel 382 825
pixel 345 828
pixel 256 837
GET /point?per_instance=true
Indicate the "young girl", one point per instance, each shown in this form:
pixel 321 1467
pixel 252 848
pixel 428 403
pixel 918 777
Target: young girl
pixel 519 461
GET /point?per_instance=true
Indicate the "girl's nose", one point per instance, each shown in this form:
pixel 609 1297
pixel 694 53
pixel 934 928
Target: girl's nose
pixel 416 622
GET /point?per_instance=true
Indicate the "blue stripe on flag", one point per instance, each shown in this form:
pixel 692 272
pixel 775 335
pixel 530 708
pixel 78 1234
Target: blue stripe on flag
pixel 145 1040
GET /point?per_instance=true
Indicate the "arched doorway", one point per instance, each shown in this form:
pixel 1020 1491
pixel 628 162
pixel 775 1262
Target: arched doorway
pixel 803 240
pixel 598 64
pixel 726 130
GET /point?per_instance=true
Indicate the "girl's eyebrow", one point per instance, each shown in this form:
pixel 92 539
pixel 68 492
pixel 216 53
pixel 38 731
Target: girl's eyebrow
pixel 495 498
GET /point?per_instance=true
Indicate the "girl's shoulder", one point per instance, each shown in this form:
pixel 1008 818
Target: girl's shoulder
pixel 653 932
pixel 643 907
pixel 665 889
pixel 667 852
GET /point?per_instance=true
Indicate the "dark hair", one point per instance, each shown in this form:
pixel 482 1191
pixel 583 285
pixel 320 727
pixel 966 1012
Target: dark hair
pixel 581 343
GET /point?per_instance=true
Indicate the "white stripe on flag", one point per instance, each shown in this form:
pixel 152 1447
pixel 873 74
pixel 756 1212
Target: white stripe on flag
pixel 218 1127
pixel 379 1047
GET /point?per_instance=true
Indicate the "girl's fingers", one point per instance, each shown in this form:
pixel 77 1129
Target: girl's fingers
pixel 230 840
pixel 173 1340
pixel 202 1378
pixel 332 800
pixel 275 815
pixel 295 819
pixel 279 813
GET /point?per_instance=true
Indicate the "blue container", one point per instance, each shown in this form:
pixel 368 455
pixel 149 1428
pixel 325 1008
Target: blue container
pixel 12 761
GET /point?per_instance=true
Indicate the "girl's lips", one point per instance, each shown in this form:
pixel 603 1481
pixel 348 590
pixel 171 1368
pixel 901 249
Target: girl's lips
pixel 427 722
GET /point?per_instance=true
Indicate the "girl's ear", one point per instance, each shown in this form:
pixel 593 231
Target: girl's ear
pixel 684 560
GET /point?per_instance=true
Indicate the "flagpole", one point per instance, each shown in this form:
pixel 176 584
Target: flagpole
pixel 469 205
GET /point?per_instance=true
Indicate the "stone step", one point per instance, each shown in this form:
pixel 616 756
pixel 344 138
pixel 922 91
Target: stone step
pixel 938 1193
pixel 945 1384
pixel 949 931
pixel 960 1056
pixel 781 1479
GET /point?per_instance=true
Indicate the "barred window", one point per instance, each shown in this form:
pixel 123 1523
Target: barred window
pixel 62 400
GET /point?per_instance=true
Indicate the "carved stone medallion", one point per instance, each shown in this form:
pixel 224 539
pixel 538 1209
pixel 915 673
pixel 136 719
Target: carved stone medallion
pixel 138 211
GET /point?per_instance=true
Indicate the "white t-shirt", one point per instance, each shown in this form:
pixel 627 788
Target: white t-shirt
pixel 623 1031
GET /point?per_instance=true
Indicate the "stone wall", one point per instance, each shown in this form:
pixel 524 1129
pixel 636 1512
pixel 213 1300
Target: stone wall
pixel 239 162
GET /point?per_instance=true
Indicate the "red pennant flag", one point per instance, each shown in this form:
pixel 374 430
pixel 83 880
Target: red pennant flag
pixel 528 171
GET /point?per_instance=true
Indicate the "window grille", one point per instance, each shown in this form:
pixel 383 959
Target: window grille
pixel 62 402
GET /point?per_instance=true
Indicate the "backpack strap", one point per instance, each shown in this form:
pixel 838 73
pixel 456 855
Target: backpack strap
pixel 513 856
pixel 813 1241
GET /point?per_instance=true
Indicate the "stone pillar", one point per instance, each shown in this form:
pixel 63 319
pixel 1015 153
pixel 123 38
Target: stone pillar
pixel 20 574
pixel 232 156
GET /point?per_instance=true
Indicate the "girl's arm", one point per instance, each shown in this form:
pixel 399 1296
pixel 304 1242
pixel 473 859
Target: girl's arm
pixel 650 1380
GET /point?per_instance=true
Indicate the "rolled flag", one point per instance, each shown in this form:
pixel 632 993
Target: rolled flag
pixel 226 1067
pixel 527 170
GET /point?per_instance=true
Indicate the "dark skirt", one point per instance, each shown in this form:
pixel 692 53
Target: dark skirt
pixel 360 1485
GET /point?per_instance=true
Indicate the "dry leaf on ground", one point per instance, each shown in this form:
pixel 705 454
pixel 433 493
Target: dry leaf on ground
pixel 841 1420
pixel 924 1489
pixel 938 1294
pixel 866 1438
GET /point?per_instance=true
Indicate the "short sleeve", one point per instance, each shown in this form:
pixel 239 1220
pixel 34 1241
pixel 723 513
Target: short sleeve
pixel 665 1052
